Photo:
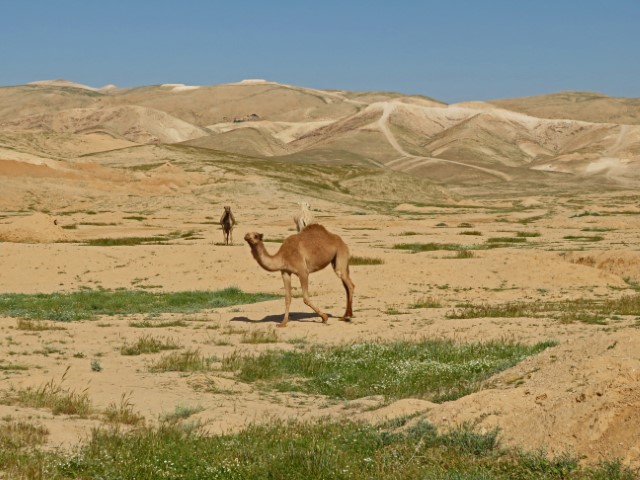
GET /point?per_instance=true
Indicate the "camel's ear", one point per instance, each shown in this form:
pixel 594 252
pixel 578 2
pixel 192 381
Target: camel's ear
pixel 260 236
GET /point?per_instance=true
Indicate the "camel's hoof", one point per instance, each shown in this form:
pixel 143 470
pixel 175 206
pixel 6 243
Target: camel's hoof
pixel 324 317
pixel 281 325
pixel 345 319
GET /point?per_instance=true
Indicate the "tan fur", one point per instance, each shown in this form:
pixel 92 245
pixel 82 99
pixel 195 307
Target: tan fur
pixel 302 254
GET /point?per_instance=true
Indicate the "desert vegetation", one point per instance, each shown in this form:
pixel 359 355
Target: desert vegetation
pixel 436 370
pixel 86 304
pixel 304 450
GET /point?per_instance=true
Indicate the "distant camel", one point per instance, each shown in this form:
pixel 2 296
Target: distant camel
pixel 227 221
pixel 304 217
pixel 302 254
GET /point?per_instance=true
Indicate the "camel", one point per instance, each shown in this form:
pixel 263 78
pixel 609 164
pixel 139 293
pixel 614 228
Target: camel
pixel 304 217
pixel 302 254
pixel 227 221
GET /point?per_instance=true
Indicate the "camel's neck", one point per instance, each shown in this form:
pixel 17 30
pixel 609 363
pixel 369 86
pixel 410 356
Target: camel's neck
pixel 271 263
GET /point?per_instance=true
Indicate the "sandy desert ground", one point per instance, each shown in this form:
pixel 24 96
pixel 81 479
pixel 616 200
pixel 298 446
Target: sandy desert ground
pixel 580 396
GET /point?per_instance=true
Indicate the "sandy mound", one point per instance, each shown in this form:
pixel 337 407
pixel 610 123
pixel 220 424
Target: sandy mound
pixel 624 263
pixel 36 228
pixel 594 414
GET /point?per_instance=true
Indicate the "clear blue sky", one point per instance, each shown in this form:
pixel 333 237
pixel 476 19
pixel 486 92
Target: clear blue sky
pixel 452 50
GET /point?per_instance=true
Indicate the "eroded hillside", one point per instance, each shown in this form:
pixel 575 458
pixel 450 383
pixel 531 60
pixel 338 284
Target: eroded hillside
pixel 541 138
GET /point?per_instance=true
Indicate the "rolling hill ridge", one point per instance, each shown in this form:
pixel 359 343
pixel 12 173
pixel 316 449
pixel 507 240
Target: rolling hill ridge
pixel 569 133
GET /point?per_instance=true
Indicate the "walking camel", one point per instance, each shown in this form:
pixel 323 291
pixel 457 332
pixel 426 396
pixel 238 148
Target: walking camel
pixel 227 221
pixel 302 254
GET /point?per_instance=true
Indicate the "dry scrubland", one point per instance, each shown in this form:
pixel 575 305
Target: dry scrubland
pixel 536 272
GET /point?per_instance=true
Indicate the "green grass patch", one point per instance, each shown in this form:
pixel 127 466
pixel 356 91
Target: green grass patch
pixel 579 310
pixel 123 412
pixel 188 361
pixel 471 232
pixel 138 218
pixel 437 370
pixel 19 434
pixel 464 254
pixel 52 396
pixel 505 310
pixel 98 224
pixel 584 238
pixel 527 234
pixel 393 310
pixel 86 304
pixel 132 241
pixel 506 240
pixel 127 241
pixel 322 449
pixel 528 220
pixel 12 367
pixel 149 344
pixel 625 305
pixel 355 260
pixel 456 247
pixel 429 247
pixel 158 324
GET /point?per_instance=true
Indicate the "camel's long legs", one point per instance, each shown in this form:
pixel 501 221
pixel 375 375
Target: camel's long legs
pixel 304 283
pixel 341 267
pixel 349 287
pixel 286 278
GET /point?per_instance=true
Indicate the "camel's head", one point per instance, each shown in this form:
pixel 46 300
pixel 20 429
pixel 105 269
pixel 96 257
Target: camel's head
pixel 227 209
pixel 304 205
pixel 253 238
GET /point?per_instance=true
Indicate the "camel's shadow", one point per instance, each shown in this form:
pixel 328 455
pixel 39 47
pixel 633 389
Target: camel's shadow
pixel 297 316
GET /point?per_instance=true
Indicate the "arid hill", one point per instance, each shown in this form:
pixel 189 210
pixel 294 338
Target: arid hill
pixel 536 138
pixel 585 106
